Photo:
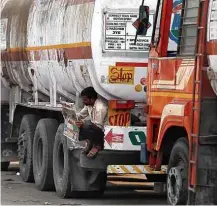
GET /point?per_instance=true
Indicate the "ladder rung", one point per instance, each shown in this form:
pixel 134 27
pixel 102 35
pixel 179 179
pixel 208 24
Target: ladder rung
pixel 200 27
pixel 192 162
pixel 194 135
pixel 197 82
pixel 191 189
pixel 205 68
pixel 198 54
pixel 195 109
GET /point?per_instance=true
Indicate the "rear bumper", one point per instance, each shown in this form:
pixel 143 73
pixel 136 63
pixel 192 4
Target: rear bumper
pixel 107 157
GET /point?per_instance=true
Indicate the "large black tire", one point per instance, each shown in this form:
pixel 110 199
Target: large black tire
pixel 70 179
pixel 43 153
pixel 4 166
pixel 61 170
pixel 177 176
pixel 25 143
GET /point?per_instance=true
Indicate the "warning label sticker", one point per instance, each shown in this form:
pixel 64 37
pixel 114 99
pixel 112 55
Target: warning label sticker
pixel 120 33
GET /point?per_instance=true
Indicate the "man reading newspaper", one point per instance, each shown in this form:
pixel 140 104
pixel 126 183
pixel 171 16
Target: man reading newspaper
pixel 92 131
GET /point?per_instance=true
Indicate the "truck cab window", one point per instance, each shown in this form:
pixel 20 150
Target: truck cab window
pixel 187 39
pixel 175 28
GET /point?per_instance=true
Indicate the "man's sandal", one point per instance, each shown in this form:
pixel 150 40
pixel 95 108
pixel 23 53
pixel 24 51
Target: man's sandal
pixel 88 147
pixel 94 151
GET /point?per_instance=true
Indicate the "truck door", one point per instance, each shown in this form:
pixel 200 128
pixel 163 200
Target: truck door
pixel 163 63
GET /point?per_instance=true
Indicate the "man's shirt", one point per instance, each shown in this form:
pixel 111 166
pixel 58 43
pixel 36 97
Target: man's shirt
pixel 98 113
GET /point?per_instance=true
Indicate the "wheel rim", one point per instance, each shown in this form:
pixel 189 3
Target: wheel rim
pixel 60 157
pixel 39 154
pixel 175 185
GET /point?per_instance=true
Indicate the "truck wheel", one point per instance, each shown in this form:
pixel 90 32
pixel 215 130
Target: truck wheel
pixel 61 169
pixel 69 178
pixel 177 177
pixel 4 166
pixel 25 143
pixel 43 153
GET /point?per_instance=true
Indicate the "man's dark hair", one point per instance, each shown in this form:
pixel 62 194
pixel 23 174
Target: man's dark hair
pixel 89 92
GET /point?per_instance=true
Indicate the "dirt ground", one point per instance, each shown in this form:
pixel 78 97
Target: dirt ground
pixel 15 192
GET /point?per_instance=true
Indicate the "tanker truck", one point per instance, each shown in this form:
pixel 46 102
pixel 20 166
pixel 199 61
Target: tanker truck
pixel 54 49
pixel 51 51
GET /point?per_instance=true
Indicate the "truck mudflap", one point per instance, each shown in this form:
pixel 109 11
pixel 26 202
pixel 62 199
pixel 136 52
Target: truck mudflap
pixel 106 158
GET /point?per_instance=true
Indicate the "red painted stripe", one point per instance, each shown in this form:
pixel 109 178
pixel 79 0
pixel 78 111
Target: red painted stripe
pixel 14 56
pixel 131 64
pixel 78 53
pixel 50 54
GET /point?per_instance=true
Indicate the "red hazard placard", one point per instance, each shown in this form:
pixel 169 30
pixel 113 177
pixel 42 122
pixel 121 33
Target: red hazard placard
pixel 136 24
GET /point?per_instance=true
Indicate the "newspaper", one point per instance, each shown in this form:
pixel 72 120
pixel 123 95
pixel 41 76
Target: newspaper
pixel 71 131
pixel 69 110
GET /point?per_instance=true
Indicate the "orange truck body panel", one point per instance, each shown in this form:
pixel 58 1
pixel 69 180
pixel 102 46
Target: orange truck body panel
pixel 171 82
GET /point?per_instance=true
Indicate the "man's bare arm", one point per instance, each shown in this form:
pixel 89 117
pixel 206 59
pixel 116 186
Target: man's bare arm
pixel 83 113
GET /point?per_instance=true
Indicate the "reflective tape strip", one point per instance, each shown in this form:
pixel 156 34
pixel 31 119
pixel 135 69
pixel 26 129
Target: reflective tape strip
pixel 134 169
pixel 113 170
pixel 137 169
pixel 125 169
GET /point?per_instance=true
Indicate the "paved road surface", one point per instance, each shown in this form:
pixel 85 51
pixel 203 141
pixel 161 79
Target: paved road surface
pixel 16 192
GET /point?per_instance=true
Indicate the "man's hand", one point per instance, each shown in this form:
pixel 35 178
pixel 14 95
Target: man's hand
pixel 79 124
pixel 65 113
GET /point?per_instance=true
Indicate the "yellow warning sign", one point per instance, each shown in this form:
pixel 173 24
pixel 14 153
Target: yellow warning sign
pixel 121 75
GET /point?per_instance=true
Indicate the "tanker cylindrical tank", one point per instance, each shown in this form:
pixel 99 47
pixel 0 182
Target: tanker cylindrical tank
pixel 69 45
